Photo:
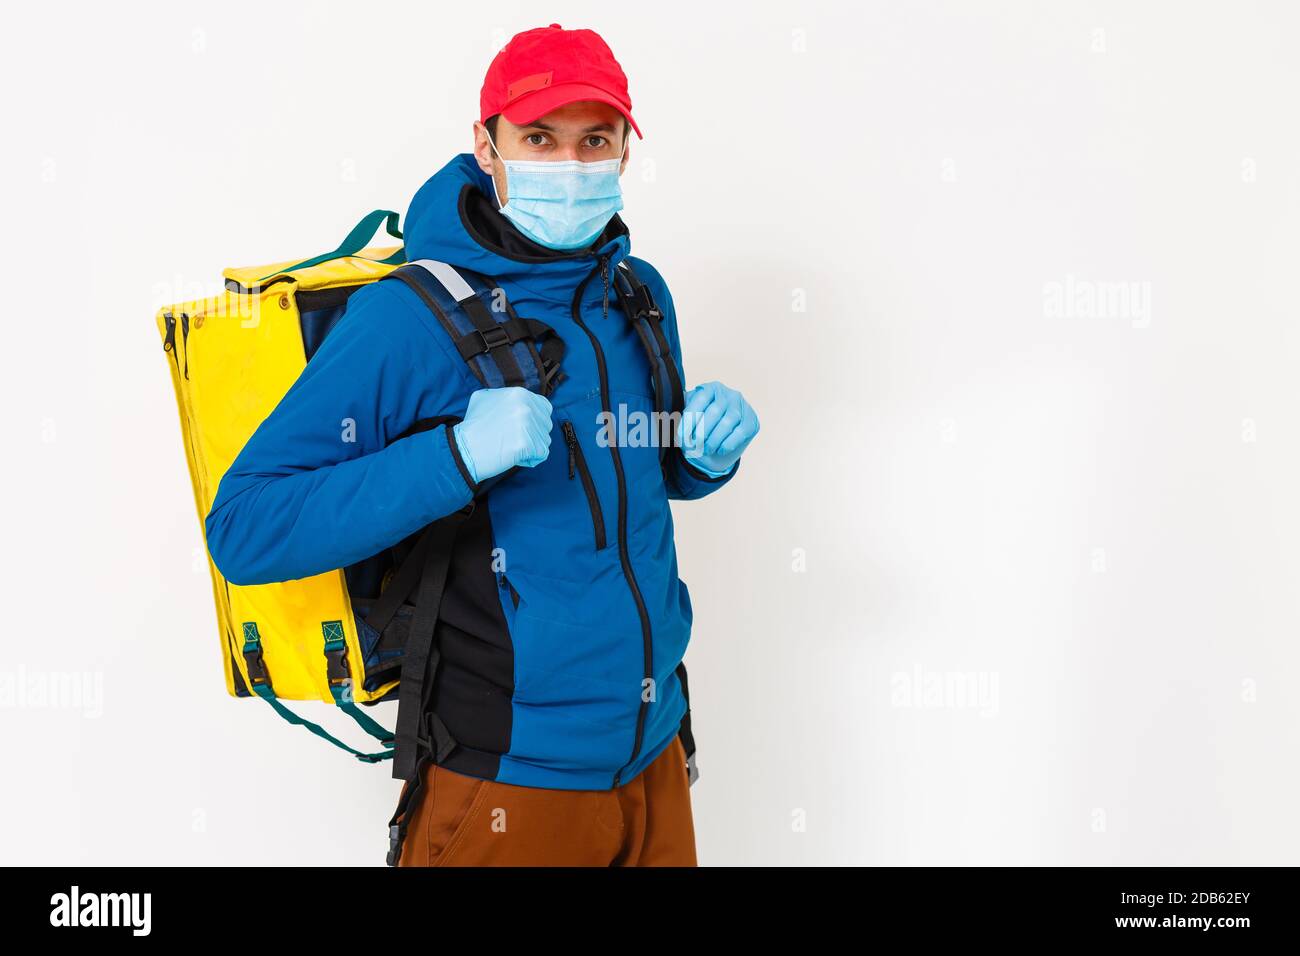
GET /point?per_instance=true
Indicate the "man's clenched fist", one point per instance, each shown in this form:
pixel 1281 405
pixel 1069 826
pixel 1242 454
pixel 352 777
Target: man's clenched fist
pixel 503 427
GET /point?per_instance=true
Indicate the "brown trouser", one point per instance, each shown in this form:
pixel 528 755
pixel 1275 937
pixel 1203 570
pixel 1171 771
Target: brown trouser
pixel 467 821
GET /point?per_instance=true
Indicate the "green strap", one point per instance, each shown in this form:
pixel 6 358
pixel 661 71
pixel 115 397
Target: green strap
pixel 374 729
pixel 265 692
pixel 356 240
pixel 261 683
pixel 335 644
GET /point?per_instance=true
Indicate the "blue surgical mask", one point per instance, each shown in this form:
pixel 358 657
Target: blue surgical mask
pixel 560 205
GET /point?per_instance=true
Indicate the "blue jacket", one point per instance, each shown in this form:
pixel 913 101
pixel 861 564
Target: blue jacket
pixel 564 622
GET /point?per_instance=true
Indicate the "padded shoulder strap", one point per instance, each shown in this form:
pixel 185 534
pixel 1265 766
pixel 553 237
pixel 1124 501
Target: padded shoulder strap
pixel 647 320
pixel 500 347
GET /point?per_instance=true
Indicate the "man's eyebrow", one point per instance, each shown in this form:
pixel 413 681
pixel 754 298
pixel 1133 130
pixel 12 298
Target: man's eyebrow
pixel 598 128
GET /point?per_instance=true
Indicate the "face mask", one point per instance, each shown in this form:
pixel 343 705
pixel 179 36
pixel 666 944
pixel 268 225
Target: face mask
pixel 560 205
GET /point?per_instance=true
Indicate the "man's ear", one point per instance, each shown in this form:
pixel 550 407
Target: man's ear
pixel 483 149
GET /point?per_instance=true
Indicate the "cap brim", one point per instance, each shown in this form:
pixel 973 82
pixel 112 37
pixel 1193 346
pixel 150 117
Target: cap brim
pixel 540 102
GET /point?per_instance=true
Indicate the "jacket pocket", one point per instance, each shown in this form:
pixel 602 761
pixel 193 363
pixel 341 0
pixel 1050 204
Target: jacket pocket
pixel 578 467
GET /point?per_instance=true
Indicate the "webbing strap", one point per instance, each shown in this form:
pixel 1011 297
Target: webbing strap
pixel 451 280
pixel 401 819
pixel 401 585
pixel 410 798
pixel 265 692
pixel 684 731
pixel 340 681
pixel 647 321
pixel 420 656
pixel 468 300
pixel 364 721
pixel 261 683
pixel 511 351
pixel 485 340
pixel 354 242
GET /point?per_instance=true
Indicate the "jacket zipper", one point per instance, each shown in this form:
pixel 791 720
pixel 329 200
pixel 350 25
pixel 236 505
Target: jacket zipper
pixel 169 342
pixel 578 460
pixel 504 584
pixel 604 279
pixel 623 556
pixel 169 345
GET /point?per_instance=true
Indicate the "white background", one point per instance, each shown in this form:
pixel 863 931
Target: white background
pixel 861 211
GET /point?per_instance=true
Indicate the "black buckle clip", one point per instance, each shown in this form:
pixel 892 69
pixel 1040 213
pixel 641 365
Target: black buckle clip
pixel 494 337
pixel 394 844
pixel 549 371
pixel 436 739
pixel 646 306
pixel 256 666
pixel 336 666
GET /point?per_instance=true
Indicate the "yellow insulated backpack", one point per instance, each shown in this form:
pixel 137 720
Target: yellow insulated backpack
pixel 232 358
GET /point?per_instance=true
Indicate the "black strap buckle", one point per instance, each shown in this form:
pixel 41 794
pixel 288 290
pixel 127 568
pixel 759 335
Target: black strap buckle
pixel 394 844
pixel 256 666
pixel 494 337
pixel 643 305
pixel 550 370
pixel 336 666
pixel 434 738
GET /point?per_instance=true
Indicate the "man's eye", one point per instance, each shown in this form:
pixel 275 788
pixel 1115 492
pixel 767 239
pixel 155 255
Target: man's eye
pixel 541 139
pixel 599 141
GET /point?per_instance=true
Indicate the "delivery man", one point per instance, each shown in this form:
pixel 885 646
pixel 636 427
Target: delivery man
pixel 559 689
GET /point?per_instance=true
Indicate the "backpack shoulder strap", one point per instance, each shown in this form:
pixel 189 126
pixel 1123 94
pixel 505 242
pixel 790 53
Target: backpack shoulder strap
pixel 639 306
pixel 647 320
pixel 500 347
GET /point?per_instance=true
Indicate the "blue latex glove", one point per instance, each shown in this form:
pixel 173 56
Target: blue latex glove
pixel 717 426
pixel 503 427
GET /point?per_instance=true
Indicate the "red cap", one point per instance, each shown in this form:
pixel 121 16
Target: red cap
pixel 543 69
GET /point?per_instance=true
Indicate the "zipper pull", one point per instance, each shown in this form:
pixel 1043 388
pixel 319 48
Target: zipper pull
pixel 169 343
pixel 571 440
pixel 604 278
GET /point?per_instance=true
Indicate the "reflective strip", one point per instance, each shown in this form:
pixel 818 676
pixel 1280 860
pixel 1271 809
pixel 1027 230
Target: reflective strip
pixel 451 280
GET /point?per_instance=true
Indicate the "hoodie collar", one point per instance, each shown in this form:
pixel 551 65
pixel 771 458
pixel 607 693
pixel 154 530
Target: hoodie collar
pixel 454 219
